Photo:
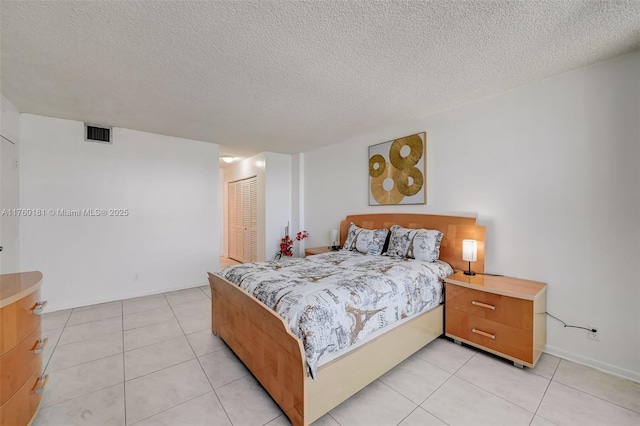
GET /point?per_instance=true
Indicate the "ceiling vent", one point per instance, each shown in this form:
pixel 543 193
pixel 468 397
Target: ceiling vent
pixel 97 134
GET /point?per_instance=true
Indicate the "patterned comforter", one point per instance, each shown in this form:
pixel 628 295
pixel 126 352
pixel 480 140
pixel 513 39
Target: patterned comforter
pixel 334 300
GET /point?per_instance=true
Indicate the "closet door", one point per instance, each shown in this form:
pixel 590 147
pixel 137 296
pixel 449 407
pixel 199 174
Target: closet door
pixel 232 225
pixel 243 218
pixel 252 231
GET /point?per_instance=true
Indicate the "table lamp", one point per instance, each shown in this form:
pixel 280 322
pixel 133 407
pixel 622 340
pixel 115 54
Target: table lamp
pixel 469 253
pixel 335 244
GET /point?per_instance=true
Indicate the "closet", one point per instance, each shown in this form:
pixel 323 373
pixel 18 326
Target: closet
pixel 242 212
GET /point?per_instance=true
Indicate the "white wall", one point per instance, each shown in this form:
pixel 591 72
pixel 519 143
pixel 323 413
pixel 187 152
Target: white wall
pixel 9 185
pixel 278 202
pixel 297 201
pixel 9 120
pixel 552 170
pixel 169 185
pixel 221 212
pixel 273 172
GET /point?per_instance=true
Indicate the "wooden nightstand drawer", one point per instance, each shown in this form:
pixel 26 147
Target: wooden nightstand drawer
pixel 22 406
pixel 21 384
pixel 512 341
pixel 18 321
pixel 501 309
pixel 18 364
pixel 502 315
pixel 316 250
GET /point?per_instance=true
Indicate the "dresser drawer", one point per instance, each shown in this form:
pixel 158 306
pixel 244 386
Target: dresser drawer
pixel 511 341
pixel 505 310
pixel 20 409
pixel 17 365
pixel 18 321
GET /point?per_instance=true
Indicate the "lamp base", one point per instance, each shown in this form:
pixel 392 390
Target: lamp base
pixel 469 272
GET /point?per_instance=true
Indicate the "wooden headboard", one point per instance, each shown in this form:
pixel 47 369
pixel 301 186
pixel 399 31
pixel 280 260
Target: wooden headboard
pixel 454 228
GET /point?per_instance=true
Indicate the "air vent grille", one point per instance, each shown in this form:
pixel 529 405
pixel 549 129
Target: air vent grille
pixel 97 134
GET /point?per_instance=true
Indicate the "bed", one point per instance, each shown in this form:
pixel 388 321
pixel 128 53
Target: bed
pixel 304 390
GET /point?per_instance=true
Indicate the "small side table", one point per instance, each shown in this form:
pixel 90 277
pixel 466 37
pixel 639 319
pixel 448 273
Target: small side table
pixel 315 250
pixel 502 315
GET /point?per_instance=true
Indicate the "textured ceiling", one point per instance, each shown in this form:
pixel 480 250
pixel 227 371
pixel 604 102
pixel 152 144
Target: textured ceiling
pixel 290 76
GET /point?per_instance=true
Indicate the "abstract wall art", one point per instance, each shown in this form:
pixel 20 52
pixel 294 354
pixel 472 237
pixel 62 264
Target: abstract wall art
pixel 398 171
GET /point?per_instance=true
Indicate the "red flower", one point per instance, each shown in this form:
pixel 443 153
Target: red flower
pixel 286 244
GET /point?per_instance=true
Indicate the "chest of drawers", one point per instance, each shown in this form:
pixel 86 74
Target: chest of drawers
pixel 21 380
pixel 501 315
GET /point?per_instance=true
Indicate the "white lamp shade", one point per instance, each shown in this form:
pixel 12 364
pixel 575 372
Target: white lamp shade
pixel 469 250
pixel 334 236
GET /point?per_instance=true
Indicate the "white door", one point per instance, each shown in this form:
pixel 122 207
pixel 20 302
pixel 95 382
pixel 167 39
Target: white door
pixel 8 205
pixel 242 200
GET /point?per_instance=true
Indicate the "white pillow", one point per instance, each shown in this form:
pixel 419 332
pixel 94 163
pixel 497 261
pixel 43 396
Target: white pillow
pixel 400 241
pixel 351 236
pixel 371 241
pixel 367 241
pixel 421 244
pixel 426 245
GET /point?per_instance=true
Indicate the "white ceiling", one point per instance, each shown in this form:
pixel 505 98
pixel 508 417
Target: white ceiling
pixel 290 76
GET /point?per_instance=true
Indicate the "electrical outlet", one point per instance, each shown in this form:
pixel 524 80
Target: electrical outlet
pixel 136 277
pixel 593 335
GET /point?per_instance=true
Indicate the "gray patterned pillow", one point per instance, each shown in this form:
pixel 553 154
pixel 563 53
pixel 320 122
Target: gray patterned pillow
pixel 426 245
pixel 351 236
pixel 400 241
pixel 421 244
pixel 371 241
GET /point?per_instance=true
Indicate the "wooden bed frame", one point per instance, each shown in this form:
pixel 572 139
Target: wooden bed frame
pixel 265 344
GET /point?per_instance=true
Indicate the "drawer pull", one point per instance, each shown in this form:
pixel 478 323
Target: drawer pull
pixel 40 345
pixel 39 307
pixel 482 333
pixel 41 384
pixel 483 305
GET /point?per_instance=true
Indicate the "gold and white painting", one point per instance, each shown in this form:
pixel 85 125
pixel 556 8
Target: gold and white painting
pixel 397 171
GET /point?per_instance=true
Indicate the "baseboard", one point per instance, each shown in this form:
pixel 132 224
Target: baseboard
pixel 593 363
pixel 77 304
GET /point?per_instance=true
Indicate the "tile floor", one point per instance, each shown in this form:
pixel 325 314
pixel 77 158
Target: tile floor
pixel 154 361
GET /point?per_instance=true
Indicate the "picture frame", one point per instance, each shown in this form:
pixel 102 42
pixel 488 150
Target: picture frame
pixel 398 171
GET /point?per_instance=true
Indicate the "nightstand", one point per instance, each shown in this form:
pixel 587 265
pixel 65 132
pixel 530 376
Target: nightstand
pixel 315 250
pixel 502 315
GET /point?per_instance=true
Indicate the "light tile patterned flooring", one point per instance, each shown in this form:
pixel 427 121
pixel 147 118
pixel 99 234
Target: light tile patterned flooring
pixel 154 361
